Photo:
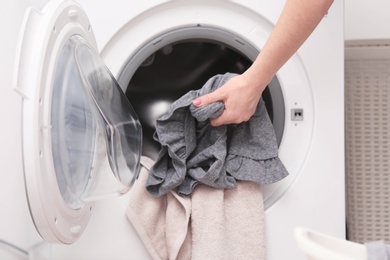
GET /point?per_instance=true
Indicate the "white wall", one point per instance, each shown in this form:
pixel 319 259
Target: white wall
pixel 367 19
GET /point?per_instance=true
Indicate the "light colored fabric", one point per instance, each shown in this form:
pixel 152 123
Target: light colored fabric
pixel 211 224
pixel 228 224
pixel 161 222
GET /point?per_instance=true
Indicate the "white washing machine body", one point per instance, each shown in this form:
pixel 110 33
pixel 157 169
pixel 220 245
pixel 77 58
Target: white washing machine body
pixel 17 231
pixel 308 112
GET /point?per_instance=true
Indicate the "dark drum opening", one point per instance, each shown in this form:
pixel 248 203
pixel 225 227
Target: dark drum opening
pixel 172 71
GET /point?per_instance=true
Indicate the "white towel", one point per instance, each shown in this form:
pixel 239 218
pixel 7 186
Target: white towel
pixel 211 224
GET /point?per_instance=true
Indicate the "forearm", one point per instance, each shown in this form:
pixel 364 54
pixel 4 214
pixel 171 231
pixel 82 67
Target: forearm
pixel 242 93
pixel 298 20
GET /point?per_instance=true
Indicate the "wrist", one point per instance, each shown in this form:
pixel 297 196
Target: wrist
pixel 256 79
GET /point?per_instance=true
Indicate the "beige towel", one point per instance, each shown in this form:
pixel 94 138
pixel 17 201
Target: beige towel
pixel 211 224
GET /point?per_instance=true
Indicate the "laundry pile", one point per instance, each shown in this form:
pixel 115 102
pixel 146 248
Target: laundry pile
pixel 193 151
pixel 201 199
pixel 211 224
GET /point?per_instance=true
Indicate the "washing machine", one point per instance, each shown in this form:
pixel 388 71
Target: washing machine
pixel 68 162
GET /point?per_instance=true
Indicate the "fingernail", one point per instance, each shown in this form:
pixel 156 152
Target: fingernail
pixel 196 102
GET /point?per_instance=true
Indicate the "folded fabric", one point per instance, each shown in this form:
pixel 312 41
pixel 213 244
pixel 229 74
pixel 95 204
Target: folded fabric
pixel 211 224
pixel 228 223
pixel 162 223
pixel 193 151
pixel 378 250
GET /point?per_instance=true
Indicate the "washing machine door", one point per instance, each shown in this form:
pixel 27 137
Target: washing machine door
pixel 81 137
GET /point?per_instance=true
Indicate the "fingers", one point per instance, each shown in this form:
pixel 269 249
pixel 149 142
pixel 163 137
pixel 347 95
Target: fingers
pixel 208 99
pixel 217 121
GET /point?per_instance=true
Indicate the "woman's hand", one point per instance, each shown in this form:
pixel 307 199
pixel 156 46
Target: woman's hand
pixel 242 93
pixel 240 97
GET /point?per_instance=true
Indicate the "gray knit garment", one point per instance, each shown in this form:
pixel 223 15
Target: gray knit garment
pixel 193 151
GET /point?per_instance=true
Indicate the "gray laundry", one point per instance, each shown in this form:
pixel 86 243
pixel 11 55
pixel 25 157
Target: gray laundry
pixel 193 151
pixel 378 250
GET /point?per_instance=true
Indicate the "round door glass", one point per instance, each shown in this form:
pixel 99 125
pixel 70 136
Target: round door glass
pixel 74 129
pixel 96 136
